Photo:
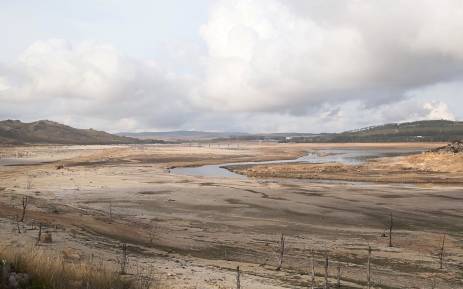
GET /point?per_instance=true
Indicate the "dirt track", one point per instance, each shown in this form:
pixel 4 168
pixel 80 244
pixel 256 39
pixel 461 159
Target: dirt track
pixel 195 230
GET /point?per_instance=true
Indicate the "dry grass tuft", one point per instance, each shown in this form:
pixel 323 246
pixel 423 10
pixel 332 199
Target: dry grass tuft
pixel 51 271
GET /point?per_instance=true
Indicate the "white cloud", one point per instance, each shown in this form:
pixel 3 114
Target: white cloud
pixel 264 57
pixel 277 56
pixel 3 85
pixel 59 80
pixel 269 65
pixel 438 110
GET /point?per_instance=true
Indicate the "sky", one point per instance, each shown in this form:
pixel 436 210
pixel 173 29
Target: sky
pixel 223 65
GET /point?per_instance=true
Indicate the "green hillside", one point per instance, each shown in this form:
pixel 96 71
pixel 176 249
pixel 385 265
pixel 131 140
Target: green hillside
pixel 15 132
pixel 419 131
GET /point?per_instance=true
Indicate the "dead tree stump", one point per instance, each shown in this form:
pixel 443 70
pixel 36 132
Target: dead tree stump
pixel 25 202
pixel 238 278
pixel 281 252
pixel 441 253
pixel 124 259
pixel 39 234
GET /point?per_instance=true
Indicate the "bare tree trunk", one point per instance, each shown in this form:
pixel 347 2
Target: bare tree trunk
pixel 339 276
pixel 441 254
pixel 25 201
pixel 391 223
pixel 369 268
pixel 281 253
pixel 326 271
pixel 313 269
pixel 17 225
pixel 238 280
pixel 39 235
pixel 124 259
pixel 110 211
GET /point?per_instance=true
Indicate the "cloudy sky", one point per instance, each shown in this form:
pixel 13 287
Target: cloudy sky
pixel 224 65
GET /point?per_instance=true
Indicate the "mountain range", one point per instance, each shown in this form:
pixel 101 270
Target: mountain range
pixel 184 135
pixel 14 132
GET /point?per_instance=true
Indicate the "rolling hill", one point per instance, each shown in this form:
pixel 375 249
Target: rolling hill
pixel 184 135
pixel 418 131
pixel 15 132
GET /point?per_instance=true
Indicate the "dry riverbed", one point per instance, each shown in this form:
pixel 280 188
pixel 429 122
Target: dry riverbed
pixel 193 231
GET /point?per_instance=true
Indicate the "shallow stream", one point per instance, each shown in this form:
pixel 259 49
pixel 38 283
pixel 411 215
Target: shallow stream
pixel 344 156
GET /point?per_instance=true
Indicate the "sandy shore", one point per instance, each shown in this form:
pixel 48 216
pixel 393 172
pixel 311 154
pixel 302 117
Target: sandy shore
pixel 194 231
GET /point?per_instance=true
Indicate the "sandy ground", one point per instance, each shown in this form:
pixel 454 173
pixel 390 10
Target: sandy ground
pixel 194 231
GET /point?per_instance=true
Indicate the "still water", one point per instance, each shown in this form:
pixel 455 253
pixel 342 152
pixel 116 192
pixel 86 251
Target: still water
pixel 344 156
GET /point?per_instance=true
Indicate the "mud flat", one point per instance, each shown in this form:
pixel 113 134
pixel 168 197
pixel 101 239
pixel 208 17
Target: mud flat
pixel 194 230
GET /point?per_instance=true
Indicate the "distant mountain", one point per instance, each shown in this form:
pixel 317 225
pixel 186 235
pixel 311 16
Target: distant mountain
pixel 183 135
pixel 418 131
pixel 192 135
pixel 49 132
